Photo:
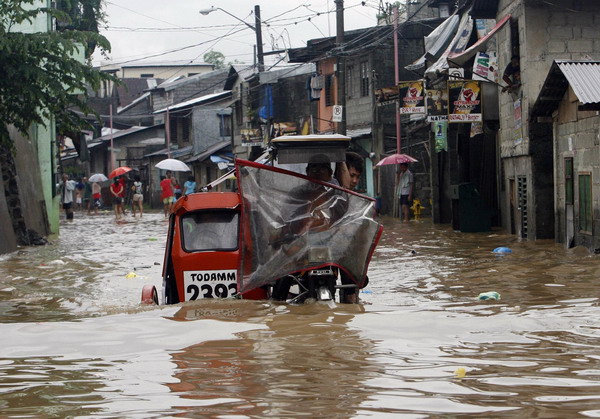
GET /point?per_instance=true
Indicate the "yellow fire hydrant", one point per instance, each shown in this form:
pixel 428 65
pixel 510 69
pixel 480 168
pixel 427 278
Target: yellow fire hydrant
pixel 416 208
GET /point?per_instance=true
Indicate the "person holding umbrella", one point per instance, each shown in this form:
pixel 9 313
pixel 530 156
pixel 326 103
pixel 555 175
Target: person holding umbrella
pixel 405 182
pixel 166 193
pixel 116 189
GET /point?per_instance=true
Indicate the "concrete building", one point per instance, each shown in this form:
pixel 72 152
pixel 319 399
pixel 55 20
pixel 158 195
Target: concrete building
pixel 569 104
pixel 538 34
pixel 158 70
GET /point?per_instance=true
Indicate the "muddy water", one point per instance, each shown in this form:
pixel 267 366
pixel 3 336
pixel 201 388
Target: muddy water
pixel 75 341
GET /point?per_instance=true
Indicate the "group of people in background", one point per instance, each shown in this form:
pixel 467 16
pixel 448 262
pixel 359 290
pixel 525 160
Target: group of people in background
pixel 171 191
pixel 83 195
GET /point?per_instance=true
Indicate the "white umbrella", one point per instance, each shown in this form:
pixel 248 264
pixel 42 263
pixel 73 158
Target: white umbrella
pixel 174 165
pixel 97 177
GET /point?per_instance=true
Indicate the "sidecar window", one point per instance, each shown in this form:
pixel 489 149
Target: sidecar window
pixel 210 230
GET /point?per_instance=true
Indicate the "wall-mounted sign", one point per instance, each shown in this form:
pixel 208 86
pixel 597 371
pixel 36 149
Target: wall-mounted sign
pixel 338 111
pixel 465 101
pixel 485 66
pixel 412 99
pixel 284 128
pixel 456 74
pixel 518 115
pixel 386 95
pixel 440 133
pixel 251 137
pixel 436 101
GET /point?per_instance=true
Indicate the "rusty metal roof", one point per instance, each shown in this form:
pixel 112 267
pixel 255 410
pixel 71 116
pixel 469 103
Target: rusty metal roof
pixel 583 77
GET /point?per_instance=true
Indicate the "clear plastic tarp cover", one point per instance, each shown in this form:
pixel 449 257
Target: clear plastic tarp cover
pixel 290 224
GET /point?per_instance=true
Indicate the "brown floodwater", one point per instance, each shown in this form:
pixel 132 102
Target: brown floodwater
pixel 77 343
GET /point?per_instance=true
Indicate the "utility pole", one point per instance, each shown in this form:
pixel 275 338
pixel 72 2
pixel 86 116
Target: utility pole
pixel 340 73
pixel 259 46
pixel 396 208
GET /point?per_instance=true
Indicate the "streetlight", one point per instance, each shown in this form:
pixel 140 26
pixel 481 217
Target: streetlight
pixel 257 29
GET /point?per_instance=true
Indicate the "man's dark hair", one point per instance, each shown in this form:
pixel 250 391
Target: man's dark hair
pixel 355 161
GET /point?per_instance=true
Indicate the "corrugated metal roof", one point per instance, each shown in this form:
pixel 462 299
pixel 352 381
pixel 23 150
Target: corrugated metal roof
pixel 196 101
pixel 584 78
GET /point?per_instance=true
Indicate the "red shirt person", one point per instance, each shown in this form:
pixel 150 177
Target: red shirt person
pixel 116 189
pixel 166 194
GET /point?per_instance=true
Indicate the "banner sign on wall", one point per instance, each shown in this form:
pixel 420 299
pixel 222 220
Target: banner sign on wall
pixel 465 101
pixel 518 114
pixel 485 66
pixel 436 101
pixel 251 137
pixel 440 133
pixel 412 99
pixel 386 95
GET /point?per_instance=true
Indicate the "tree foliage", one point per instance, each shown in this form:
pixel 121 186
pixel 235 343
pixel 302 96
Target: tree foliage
pixel 82 15
pixel 216 58
pixel 40 75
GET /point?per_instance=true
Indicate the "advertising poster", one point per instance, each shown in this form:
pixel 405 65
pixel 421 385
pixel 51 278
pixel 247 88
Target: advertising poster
pixel 412 99
pixel 476 129
pixel 465 101
pixel 251 137
pixel 485 66
pixel 518 136
pixel 436 101
pixel 484 27
pixel 440 132
pixel 284 128
pixel 386 95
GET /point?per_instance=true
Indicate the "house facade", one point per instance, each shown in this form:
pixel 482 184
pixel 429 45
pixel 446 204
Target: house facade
pixel 535 156
pixel 568 105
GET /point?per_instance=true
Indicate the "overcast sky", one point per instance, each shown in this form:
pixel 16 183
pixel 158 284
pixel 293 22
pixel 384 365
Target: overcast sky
pixel 150 28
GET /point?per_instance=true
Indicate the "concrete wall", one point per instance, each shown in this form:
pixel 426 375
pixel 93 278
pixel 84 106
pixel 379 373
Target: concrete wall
pixel 568 29
pixel 206 123
pixel 359 107
pixel 578 138
pixel 31 186
pixel 22 206
pixel 165 71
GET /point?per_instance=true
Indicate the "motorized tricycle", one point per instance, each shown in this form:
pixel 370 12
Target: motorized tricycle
pixel 282 235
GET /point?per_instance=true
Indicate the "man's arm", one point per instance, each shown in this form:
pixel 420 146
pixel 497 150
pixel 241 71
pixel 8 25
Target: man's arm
pixel 342 174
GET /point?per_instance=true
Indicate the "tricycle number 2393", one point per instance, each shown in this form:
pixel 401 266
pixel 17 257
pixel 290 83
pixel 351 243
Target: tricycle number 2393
pixel 210 284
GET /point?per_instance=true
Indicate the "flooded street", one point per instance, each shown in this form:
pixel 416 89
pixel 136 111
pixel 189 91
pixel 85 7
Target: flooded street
pixel 76 342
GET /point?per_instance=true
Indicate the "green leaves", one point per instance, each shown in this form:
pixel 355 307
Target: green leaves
pixel 40 72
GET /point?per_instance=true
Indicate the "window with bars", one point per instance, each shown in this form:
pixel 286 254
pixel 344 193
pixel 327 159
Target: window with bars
pixel 350 80
pixel 364 78
pixel 329 90
pixel 585 202
pixel 225 125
